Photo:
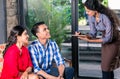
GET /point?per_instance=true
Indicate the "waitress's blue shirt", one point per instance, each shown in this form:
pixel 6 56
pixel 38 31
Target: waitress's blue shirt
pixel 104 26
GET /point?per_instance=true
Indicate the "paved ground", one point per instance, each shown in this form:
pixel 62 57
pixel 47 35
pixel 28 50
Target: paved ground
pixel 94 70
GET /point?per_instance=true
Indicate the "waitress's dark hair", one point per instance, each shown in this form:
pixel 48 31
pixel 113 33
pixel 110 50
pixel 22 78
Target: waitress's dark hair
pixel 96 5
pixel 12 39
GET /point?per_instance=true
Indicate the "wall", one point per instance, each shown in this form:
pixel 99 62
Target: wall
pixel 113 4
pixel 2 22
pixel 8 17
pixel 12 14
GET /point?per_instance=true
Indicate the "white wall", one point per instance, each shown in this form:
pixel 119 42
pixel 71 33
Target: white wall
pixel 114 4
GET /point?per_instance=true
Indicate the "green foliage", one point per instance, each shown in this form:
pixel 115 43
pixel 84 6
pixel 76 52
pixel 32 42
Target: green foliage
pixel 54 15
pixel 105 2
pixel 81 9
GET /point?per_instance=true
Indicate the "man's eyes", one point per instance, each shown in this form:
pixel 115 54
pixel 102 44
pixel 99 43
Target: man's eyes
pixel 46 29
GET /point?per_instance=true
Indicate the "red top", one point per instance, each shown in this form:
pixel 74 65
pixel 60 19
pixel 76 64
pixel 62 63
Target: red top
pixel 15 62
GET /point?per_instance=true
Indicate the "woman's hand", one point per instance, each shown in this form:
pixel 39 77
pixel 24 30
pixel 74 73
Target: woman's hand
pixel 83 37
pixel 77 33
pixel 53 77
pixel 24 75
pixel 61 77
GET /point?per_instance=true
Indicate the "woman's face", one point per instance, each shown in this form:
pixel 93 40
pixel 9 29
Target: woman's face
pixel 23 38
pixel 90 12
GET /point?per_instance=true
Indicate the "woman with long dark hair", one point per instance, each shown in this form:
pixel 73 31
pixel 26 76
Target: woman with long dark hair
pixel 17 63
pixel 102 19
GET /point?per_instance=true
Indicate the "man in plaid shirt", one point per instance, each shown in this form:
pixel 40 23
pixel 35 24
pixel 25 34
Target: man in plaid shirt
pixel 44 51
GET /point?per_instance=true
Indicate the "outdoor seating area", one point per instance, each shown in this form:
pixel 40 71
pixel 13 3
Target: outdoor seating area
pixel 68 62
pixel 66 20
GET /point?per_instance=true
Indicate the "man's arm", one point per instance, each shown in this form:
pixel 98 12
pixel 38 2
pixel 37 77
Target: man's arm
pixel 61 69
pixel 35 60
pixel 59 60
pixel 45 75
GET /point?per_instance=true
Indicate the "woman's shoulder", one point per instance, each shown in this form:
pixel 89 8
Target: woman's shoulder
pixel 104 18
pixel 11 50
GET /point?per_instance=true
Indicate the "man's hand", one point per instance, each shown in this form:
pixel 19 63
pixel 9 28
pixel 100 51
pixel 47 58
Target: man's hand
pixel 61 77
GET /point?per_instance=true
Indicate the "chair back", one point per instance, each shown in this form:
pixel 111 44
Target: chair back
pixel 2 47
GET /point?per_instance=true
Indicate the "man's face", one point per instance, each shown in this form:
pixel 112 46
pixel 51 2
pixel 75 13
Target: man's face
pixel 43 32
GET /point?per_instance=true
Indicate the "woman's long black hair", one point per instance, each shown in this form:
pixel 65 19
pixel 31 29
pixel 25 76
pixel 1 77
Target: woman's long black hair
pixel 12 39
pixel 97 6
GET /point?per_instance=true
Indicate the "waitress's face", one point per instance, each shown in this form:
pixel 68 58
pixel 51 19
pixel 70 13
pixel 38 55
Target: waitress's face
pixel 90 12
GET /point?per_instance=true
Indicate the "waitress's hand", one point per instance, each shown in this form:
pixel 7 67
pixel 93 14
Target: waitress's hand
pixel 84 38
pixel 77 33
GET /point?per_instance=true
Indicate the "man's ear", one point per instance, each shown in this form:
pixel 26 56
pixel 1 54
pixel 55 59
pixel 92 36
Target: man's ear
pixel 37 34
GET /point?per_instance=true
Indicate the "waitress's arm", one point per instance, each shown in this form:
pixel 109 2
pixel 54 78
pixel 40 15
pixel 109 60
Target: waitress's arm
pixel 95 40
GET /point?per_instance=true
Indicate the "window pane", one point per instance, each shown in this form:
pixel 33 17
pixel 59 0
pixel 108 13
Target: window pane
pixel 57 15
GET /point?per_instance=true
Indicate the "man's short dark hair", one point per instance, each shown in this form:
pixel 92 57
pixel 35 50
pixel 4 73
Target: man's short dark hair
pixel 34 29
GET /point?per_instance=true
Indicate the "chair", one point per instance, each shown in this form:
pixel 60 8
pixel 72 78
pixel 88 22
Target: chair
pixel 68 62
pixel 2 47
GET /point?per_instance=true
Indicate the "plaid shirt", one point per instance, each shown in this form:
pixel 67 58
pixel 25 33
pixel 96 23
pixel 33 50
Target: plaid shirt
pixel 42 56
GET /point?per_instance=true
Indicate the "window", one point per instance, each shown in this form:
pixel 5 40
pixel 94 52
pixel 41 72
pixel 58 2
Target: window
pixel 57 15
pixel 3 27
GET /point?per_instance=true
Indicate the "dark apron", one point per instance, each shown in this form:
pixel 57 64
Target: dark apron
pixel 109 52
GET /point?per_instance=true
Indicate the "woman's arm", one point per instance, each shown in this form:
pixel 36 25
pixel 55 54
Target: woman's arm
pixel 25 74
pixel 28 70
pixel 11 64
pixel 95 40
